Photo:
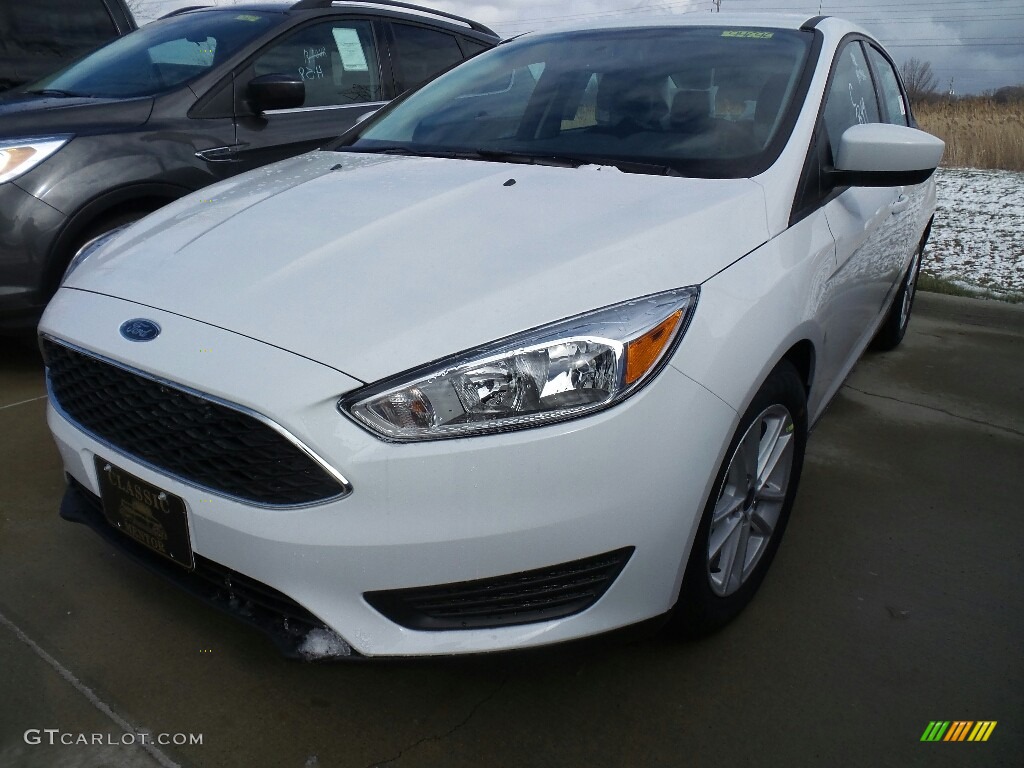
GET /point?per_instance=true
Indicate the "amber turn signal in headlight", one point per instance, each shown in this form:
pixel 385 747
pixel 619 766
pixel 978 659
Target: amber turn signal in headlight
pixel 565 370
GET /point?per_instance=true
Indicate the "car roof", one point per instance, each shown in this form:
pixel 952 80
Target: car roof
pixel 830 26
pixel 391 8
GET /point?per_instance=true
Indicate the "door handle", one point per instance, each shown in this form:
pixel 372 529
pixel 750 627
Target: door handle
pixel 900 205
pixel 228 154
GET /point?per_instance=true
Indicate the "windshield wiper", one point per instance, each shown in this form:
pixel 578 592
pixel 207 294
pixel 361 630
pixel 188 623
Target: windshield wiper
pixel 528 158
pixel 469 154
pixel 58 92
pixel 502 156
pixel 631 166
pixel 397 151
pixel 401 151
pixel 574 161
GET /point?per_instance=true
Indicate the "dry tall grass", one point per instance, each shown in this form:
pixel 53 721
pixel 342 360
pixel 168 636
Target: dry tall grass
pixel 978 133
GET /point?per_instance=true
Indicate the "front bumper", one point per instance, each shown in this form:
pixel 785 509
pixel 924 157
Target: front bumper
pixel 420 515
pixel 284 621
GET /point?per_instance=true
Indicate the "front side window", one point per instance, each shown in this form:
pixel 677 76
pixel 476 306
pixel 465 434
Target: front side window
pixel 699 101
pixel 889 85
pixel 851 97
pixel 159 56
pixel 336 60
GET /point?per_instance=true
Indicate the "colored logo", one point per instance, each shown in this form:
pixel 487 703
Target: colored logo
pixel 140 329
pixel 958 730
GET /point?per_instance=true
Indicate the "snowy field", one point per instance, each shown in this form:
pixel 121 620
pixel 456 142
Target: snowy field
pixel 978 235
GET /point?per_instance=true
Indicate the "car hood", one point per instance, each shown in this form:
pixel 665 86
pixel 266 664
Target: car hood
pixel 373 264
pixel 36 115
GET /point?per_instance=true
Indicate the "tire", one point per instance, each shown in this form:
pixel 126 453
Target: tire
pixel 745 512
pixel 894 328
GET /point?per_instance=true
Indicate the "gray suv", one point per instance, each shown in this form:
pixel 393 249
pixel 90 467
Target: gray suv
pixel 193 98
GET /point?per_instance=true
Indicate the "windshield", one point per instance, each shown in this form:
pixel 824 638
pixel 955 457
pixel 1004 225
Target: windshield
pixel 704 101
pixel 158 57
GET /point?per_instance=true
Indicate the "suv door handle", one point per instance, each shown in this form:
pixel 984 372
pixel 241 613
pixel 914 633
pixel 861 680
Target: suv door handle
pixel 900 205
pixel 228 154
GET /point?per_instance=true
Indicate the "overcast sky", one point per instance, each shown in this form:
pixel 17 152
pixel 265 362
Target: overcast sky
pixel 975 45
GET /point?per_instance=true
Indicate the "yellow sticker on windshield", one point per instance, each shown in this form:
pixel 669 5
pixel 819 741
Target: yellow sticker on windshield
pixel 748 33
pixel 247 17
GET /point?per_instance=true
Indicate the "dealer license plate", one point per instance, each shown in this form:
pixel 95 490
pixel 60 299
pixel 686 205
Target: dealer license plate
pixel 150 515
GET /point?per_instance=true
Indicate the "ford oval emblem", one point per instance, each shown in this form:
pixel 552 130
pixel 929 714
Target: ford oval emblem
pixel 140 329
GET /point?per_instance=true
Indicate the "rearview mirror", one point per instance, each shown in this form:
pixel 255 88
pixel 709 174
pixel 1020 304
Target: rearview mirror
pixel 880 155
pixel 276 91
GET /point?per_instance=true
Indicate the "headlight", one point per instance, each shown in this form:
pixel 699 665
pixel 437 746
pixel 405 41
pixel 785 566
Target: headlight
pixel 18 156
pixel 89 249
pixel 562 371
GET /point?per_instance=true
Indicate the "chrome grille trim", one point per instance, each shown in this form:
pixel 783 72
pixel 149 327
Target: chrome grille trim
pixel 344 485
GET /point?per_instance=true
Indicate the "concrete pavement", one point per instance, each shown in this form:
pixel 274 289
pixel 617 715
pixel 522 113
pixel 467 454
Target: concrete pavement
pixel 896 599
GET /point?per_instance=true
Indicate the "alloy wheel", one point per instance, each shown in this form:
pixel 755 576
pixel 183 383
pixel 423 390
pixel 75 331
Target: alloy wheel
pixel 751 500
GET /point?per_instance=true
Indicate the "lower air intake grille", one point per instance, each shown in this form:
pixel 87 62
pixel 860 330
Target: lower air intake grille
pixel 518 598
pixel 196 439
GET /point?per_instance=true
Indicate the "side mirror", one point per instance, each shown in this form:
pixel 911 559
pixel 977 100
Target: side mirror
pixel 880 155
pixel 364 116
pixel 268 92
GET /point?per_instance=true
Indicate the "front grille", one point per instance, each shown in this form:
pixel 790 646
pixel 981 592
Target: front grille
pixel 518 598
pixel 199 441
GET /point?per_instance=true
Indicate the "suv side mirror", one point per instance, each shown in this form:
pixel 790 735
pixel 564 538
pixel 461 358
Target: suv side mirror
pixel 275 92
pixel 881 155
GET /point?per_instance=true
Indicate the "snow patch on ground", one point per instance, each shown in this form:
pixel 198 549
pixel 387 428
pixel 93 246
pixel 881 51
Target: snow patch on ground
pixel 323 644
pixel 978 235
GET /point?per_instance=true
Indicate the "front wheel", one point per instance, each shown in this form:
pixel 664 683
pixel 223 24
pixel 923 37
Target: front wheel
pixel 747 513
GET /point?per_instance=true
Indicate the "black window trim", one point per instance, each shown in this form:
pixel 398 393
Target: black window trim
pixel 121 16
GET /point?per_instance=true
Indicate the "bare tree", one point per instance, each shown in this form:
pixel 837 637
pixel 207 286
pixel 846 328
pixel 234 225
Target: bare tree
pixel 919 79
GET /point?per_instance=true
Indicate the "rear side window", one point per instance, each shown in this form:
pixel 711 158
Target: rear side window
pixel 472 47
pixel 851 97
pixel 889 89
pixel 422 53
pixel 40 36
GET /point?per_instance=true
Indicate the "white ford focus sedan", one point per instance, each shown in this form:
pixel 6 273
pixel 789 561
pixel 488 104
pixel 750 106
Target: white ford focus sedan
pixel 530 355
